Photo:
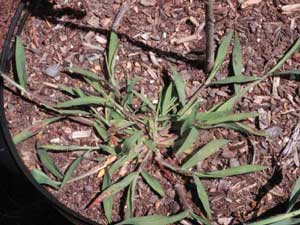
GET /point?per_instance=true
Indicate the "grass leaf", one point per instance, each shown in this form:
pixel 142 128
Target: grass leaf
pixel 237 60
pixel 112 51
pixel 108 202
pixel 20 62
pixel 243 128
pixel 179 84
pixel 117 187
pixel 286 56
pixel 221 54
pixel 153 183
pixel 156 219
pixel 240 79
pixel 234 171
pixel 186 142
pixel 145 100
pixel 202 195
pixel 82 101
pixel 129 88
pixel 101 132
pixel 294 196
pixel 277 218
pixel 71 169
pixel 231 118
pixel 34 129
pixel 48 163
pixel 206 151
pixel 86 73
pixel 42 178
pixel 130 199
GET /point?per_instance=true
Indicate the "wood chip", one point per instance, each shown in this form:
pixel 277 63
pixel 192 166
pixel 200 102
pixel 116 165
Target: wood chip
pixel 250 3
pixel 81 134
pixel 294 141
pixel 288 9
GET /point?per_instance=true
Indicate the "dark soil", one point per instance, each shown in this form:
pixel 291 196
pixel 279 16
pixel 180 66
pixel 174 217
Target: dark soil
pixel 75 32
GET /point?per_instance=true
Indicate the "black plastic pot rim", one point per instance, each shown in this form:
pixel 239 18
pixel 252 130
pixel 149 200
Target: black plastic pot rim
pixel 21 15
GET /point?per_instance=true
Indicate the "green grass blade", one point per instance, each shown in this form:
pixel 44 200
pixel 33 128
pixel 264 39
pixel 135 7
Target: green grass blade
pixel 231 118
pixel 83 101
pixel 221 54
pixel 277 218
pixel 117 187
pixel 63 148
pixel 48 163
pixel 234 171
pixel 237 60
pixel 294 196
pixel 186 142
pixel 240 79
pixel 112 50
pixel 179 84
pixel 289 72
pixel 156 219
pixel 108 202
pixel 167 100
pixel 129 88
pixel 130 199
pixel 42 178
pixel 199 219
pixel 287 55
pixel 101 132
pixel 20 62
pixel 153 183
pixel 132 141
pixel 86 73
pixel 71 169
pixel 243 128
pixel 73 112
pixel 145 100
pixel 206 151
pixel 202 195
pixel 289 221
pixel 34 129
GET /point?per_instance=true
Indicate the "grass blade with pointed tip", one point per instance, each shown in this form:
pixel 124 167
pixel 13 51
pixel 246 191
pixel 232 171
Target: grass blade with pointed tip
pixel 108 202
pixel 101 132
pixel 129 89
pixel 294 196
pixel 286 56
pixel 243 128
pixel 34 129
pixel 116 187
pixel 231 118
pixel 48 163
pixel 237 60
pixel 206 151
pixel 234 171
pixel 20 62
pixel 86 73
pixel 145 100
pixel 179 84
pixel 202 195
pixel 73 112
pixel 42 178
pixel 82 101
pixel 156 219
pixel 53 147
pixel 200 219
pixel 221 54
pixel 71 169
pixel 277 218
pixel 130 199
pixel 289 221
pixel 186 142
pixel 241 79
pixel 290 72
pixel 112 51
pixel 153 183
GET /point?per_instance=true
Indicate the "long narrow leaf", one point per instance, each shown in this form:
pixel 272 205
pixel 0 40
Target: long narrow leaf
pixel 241 79
pixel 231 118
pixel 243 128
pixel 34 129
pixel 286 56
pixel 86 73
pixel 71 169
pixel 206 151
pixel 237 60
pixel 278 218
pixel 108 202
pixel 179 84
pixel 130 199
pixel 234 171
pixel 202 195
pixel 153 183
pixel 42 178
pixel 88 100
pixel 186 142
pixel 221 54
pixel 145 100
pixel 48 163
pixel 294 196
pixel 20 62
pixel 156 219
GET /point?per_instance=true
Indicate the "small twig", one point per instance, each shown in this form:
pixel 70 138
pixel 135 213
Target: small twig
pixel 210 30
pixel 121 13
pixel 182 196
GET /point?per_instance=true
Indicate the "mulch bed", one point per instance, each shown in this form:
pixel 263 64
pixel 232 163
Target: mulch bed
pixel 153 35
